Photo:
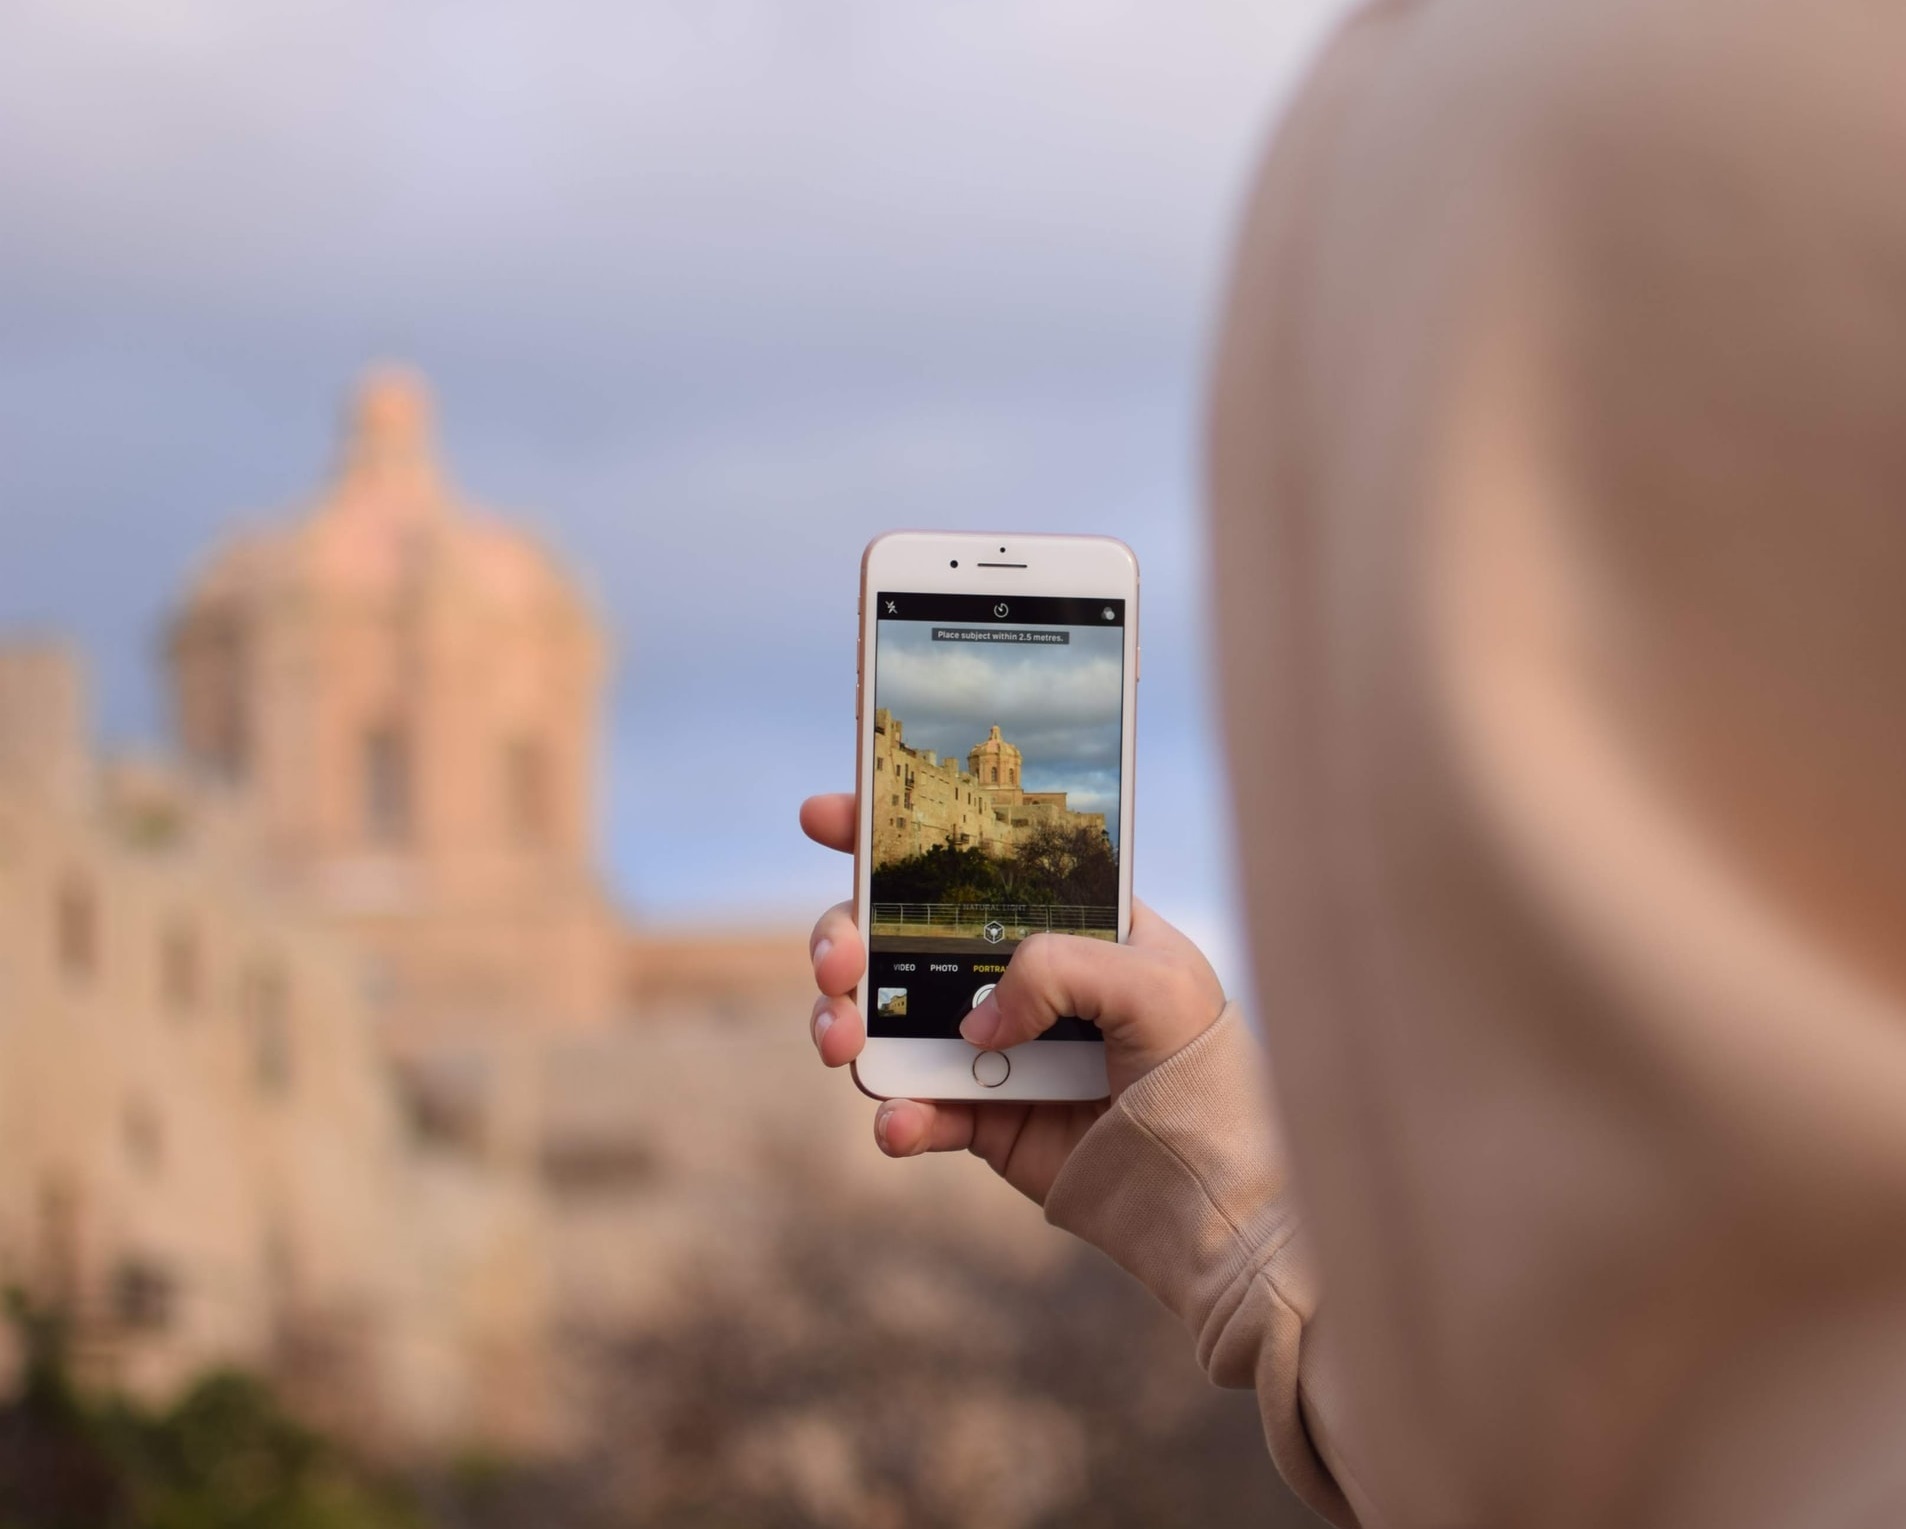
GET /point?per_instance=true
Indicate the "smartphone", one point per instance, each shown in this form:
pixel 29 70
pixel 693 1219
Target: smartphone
pixel 995 710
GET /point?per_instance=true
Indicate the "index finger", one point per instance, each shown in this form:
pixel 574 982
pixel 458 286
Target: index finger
pixel 829 819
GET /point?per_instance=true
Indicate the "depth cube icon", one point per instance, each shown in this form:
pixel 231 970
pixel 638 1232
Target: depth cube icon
pixel 994 932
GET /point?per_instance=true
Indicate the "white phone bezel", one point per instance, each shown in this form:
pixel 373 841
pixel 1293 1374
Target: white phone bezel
pixel 1093 567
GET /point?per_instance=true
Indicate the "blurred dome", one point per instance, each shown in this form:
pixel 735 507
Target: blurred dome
pixel 387 526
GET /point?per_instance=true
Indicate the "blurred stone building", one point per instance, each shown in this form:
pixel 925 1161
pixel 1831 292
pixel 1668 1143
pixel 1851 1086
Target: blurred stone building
pixel 298 1021
pixel 405 692
pixel 202 1158
pixel 323 1053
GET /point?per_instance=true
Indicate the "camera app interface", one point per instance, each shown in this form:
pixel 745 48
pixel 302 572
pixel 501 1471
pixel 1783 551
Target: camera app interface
pixel 995 788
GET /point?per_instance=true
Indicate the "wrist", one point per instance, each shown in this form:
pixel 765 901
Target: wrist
pixel 1182 1181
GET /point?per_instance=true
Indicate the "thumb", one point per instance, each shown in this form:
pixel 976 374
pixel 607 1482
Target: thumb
pixel 1149 1000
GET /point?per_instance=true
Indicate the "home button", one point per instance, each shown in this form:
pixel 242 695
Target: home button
pixel 992 1068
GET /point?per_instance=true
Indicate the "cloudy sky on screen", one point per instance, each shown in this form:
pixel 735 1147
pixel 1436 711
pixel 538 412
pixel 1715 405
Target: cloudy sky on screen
pixel 710 291
pixel 1059 705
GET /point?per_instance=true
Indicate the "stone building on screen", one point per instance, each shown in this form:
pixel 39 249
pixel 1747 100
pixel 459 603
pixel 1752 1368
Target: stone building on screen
pixel 922 801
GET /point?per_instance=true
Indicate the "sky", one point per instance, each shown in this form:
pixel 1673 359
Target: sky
pixel 710 293
pixel 1058 704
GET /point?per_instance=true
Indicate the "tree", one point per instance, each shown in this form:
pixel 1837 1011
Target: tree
pixel 224 1456
pixel 946 873
pixel 1055 863
pixel 1072 864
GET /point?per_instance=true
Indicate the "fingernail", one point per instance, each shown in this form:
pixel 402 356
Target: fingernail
pixel 823 1022
pixel 821 950
pixel 980 1026
pixel 883 1118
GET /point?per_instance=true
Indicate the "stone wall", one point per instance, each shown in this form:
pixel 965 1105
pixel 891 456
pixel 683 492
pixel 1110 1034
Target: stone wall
pixel 921 801
pixel 204 1161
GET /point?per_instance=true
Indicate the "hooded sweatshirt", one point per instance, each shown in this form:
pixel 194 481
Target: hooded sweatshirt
pixel 1558 498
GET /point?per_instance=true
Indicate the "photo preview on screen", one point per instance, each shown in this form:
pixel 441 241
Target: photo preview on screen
pixel 995 788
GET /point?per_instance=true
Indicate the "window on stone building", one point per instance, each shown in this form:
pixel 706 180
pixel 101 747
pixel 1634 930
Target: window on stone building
pixel 228 730
pixel 144 1135
pixel 995 780
pixel 231 746
pixel 377 982
pixel 386 769
pixel 266 1005
pixel 144 1295
pixel 280 1263
pixel 526 791
pixel 179 977
pixel 76 929
pixel 60 1215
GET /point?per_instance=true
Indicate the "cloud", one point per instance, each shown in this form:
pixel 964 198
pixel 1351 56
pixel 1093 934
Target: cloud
pixel 1046 699
pixel 1041 156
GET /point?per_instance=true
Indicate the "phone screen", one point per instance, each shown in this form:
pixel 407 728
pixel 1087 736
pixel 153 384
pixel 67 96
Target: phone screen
pixel 998 723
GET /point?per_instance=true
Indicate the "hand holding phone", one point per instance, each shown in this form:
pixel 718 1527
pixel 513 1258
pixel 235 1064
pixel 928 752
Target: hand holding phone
pixel 1151 997
pixel 995 712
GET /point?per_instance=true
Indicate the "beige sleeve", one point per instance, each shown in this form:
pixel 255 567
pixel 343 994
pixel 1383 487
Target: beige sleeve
pixel 1183 1183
